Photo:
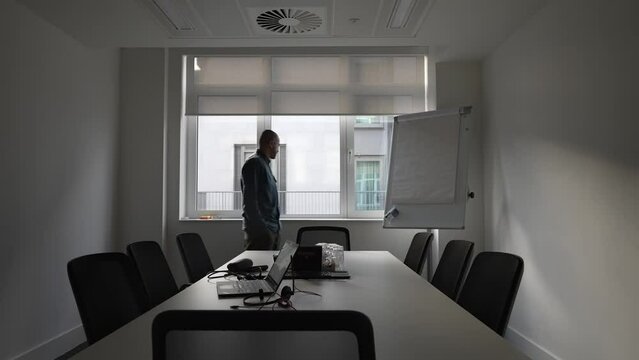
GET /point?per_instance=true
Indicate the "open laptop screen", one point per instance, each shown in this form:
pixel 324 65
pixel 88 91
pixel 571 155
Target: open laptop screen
pixel 282 262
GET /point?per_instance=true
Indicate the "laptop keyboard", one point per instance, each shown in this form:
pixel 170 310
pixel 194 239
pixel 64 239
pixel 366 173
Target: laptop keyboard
pixel 250 286
pixel 318 274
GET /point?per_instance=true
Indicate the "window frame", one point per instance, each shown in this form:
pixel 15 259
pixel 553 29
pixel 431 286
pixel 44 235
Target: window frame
pixel 353 157
pixel 348 160
pixel 379 159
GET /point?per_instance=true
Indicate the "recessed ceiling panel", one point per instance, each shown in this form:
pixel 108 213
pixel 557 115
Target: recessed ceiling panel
pixel 414 12
pixel 97 22
pixel 223 18
pixel 177 17
pixel 350 18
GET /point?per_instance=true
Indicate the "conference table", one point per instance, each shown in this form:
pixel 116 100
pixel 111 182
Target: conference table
pixel 411 319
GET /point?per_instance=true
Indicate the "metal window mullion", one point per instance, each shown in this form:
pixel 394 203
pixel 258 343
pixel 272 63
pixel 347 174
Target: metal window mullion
pixel 191 166
pixel 349 166
pixel 191 92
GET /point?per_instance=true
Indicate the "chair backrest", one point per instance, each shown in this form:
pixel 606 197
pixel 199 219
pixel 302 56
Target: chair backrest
pixel 154 270
pixel 183 333
pixel 108 292
pixel 491 287
pixel 311 235
pixel 196 260
pixel 452 267
pixel 416 255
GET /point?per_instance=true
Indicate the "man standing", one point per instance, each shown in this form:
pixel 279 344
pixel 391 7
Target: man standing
pixel 261 212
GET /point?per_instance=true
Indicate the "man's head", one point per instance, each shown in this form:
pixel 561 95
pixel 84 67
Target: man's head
pixel 269 143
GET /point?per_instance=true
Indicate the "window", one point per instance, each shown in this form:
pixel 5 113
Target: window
pixel 313 161
pixel 242 153
pixel 368 146
pixel 328 166
pixel 333 141
pixel 218 138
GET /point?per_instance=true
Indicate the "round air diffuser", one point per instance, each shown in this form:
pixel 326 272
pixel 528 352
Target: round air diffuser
pixel 289 21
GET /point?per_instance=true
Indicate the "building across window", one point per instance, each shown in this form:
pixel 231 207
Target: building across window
pixel 368 121
pixel 368 189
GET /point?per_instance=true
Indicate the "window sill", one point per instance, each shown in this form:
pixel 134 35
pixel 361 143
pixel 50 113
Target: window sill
pixel 283 219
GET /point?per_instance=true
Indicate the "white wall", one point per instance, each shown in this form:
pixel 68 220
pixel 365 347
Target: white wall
pixel 58 111
pixel 562 176
pixel 141 146
pixel 459 84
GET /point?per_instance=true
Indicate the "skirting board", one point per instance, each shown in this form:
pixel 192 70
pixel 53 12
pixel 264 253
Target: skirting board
pixel 56 346
pixel 527 346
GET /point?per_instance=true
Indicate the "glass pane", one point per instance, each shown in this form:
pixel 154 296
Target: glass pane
pixel 371 144
pixel 224 142
pixel 309 177
pixel 368 185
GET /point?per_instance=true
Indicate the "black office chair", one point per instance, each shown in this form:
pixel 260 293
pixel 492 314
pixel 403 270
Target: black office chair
pixel 196 260
pixel 452 267
pixel 172 340
pixel 311 235
pixel 108 292
pixel 491 287
pixel 154 270
pixel 416 255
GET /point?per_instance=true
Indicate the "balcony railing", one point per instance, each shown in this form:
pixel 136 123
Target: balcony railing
pixel 219 200
pixel 293 202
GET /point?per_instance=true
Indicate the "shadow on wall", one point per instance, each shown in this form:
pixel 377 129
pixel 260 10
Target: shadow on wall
pixel 507 234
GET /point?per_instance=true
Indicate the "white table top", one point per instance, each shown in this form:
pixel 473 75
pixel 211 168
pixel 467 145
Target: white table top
pixel 411 319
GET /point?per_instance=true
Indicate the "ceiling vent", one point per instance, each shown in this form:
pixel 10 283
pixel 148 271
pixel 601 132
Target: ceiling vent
pixel 289 21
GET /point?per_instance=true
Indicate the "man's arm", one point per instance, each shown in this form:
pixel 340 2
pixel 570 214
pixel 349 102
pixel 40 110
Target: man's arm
pixel 251 179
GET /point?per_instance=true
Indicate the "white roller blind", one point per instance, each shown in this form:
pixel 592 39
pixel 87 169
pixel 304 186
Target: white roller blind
pixel 299 85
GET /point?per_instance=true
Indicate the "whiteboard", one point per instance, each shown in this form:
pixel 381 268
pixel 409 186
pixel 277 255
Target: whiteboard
pixel 428 170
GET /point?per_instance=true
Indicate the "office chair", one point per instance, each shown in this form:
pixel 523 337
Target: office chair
pixel 154 271
pixel 416 255
pixel 311 235
pixel 108 292
pixel 452 267
pixel 196 260
pixel 182 333
pixel 491 287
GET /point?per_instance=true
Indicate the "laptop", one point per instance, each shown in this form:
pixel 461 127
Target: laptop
pixel 268 285
pixel 307 264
